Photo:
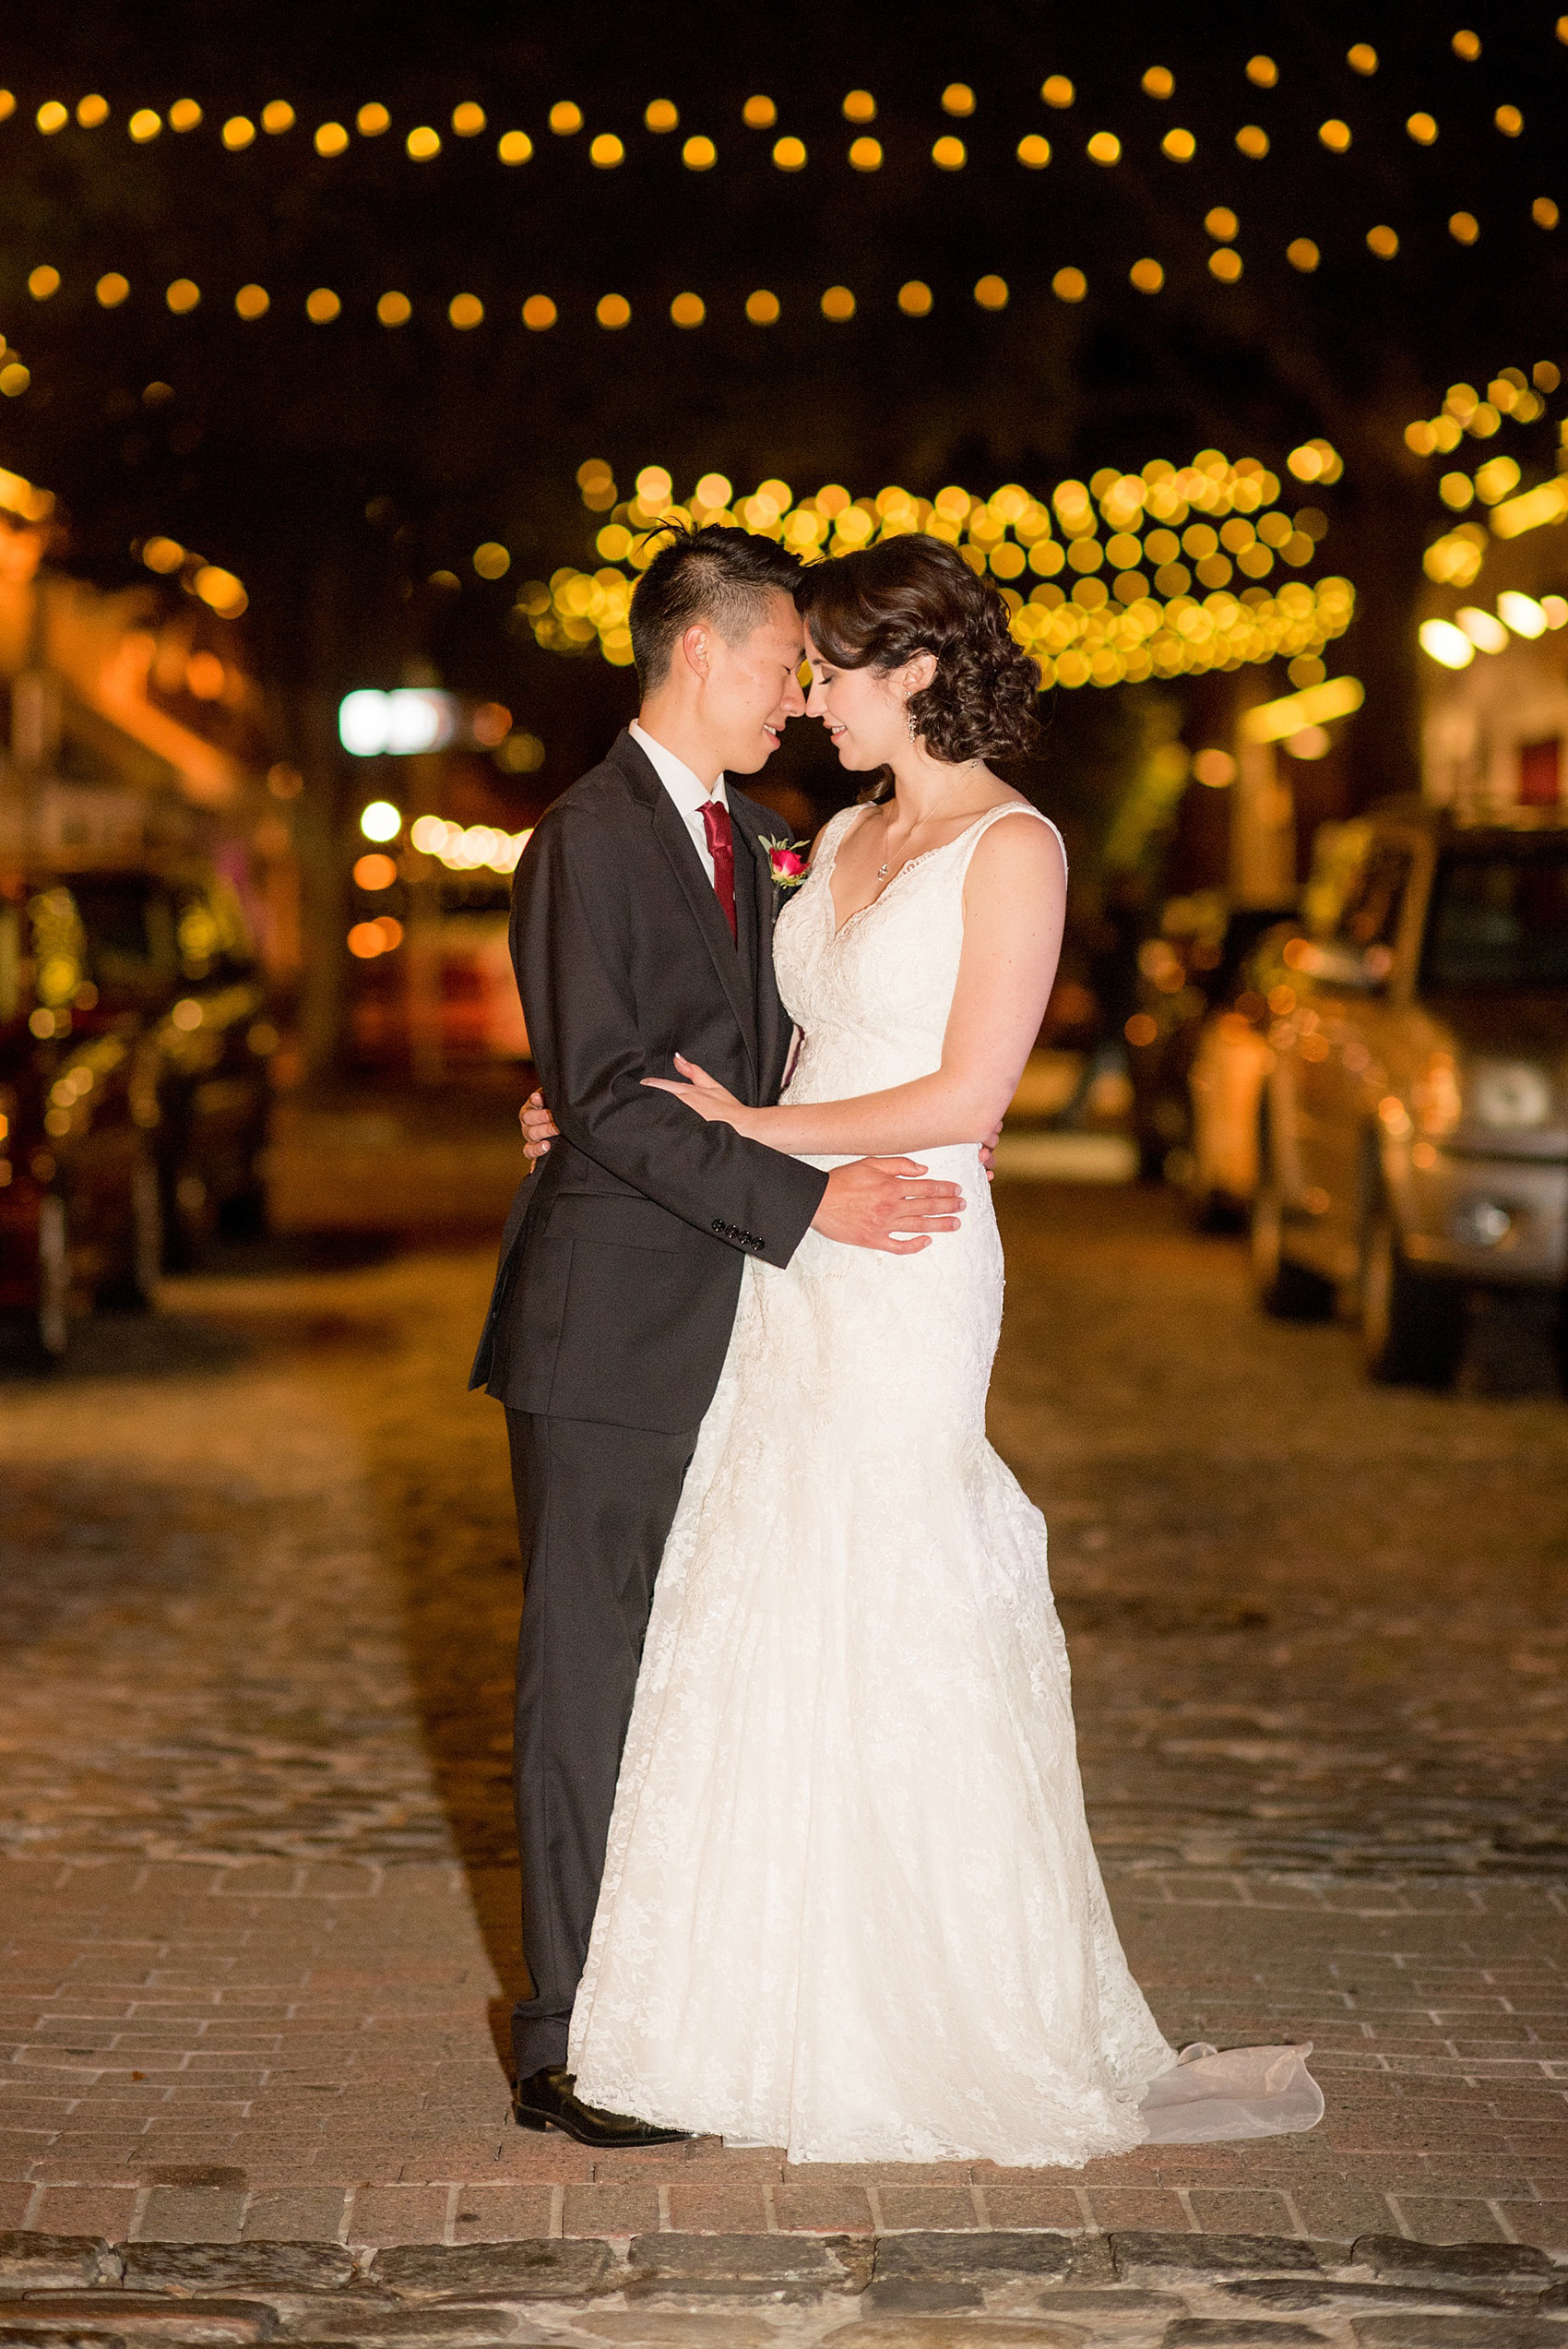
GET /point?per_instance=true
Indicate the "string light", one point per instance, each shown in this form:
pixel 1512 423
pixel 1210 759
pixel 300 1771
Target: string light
pixel 1454 557
pixel 688 310
pixel 469 849
pixel 1088 630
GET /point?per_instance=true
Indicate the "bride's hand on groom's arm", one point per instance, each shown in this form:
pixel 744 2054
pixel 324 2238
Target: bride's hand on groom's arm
pixel 705 1095
pixel 696 1089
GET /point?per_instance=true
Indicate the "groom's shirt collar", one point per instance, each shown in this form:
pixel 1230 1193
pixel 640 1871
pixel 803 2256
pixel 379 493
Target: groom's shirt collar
pixel 690 795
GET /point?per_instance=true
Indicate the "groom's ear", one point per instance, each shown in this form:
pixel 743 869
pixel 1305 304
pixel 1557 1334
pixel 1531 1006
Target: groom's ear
pixel 696 649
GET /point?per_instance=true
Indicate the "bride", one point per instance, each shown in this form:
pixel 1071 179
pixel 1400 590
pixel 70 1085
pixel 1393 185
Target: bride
pixel 849 1905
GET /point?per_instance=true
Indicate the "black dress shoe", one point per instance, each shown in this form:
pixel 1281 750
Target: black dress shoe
pixel 548 2099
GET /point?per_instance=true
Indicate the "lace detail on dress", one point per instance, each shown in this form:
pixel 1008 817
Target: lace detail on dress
pixel 851 1906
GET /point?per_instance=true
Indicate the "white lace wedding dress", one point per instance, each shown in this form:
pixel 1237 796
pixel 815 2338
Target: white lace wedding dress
pixel 850 1905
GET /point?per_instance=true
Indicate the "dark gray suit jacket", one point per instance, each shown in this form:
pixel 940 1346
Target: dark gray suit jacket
pixel 622 1255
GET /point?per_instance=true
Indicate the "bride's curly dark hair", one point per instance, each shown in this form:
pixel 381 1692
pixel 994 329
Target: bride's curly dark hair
pixel 879 607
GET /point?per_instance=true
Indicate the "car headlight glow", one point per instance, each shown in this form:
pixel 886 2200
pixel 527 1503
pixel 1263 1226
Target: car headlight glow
pixel 1510 1095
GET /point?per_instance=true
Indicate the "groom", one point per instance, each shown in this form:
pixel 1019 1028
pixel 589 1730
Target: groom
pixel 642 920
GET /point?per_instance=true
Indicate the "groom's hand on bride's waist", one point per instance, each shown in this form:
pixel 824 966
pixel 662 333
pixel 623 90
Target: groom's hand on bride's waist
pixel 539 1129
pixel 889 1203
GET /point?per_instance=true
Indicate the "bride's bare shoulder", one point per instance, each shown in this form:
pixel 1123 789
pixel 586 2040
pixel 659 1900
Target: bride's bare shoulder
pixel 1023 853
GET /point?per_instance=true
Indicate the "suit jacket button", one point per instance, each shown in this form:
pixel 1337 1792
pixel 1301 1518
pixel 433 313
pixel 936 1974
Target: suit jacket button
pixel 716 1226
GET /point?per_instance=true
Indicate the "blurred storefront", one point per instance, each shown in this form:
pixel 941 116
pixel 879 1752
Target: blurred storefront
pixel 134 731
pixel 1494 678
pixel 438 838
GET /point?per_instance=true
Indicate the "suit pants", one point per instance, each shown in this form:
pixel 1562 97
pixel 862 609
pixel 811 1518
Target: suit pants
pixel 595 1505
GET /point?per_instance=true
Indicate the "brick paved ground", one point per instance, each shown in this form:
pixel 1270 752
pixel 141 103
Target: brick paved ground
pixel 259 1923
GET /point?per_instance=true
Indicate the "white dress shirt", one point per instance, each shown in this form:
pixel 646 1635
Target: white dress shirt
pixel 690 795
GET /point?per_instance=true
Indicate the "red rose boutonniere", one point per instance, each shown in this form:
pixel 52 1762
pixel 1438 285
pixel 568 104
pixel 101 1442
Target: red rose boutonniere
pixel 788 860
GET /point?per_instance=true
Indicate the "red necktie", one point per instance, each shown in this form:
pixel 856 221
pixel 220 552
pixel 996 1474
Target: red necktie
pixel 721 847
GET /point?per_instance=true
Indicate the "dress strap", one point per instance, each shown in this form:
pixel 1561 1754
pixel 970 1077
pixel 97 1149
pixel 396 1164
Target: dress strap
pixel 830 835
pixel 995 815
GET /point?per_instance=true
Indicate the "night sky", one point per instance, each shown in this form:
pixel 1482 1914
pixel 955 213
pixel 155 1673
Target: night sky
pixel 335 465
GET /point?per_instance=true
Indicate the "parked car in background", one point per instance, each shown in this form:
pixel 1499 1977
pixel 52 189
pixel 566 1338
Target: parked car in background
pixel 1414 1132
pixel 1197 1053
pixel 172 948
pixel 133 1093
pixel 78 1179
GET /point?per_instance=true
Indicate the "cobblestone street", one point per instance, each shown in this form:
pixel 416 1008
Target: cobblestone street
pixel 261 1592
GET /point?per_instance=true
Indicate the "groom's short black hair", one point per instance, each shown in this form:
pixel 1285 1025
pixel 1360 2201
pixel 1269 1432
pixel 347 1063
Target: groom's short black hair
pixel 719 575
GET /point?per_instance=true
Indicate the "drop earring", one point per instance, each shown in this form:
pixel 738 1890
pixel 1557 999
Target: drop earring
pixel 910 720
